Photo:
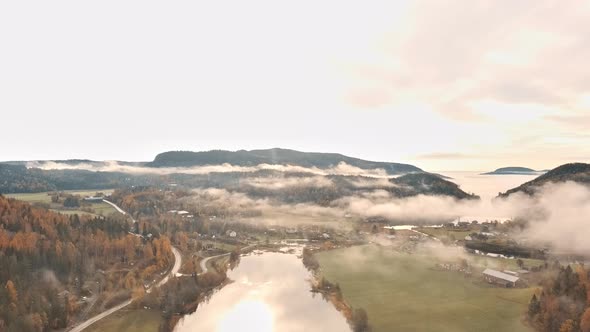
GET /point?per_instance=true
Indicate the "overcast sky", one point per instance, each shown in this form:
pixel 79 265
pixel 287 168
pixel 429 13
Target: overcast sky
pixel 444 85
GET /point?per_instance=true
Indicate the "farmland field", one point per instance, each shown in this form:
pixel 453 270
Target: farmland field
pixel 129 320
pixel 101 208
pixel 445 233
pixel 403 292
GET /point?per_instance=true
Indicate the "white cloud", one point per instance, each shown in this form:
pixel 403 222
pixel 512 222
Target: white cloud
pixel 384 80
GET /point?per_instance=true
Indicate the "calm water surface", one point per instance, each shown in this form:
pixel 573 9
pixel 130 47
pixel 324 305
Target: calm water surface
pixel 269 292
pixel 487 186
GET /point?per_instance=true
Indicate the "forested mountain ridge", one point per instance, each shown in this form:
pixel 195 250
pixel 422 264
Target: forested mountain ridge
pixel 272 156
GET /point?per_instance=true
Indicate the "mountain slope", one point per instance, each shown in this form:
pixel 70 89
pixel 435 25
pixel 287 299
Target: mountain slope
pixel 272 156
pixel 576 172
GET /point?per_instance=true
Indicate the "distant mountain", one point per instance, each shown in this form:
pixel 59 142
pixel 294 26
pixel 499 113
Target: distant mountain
pixel 513 170
pixel 273 156
pixel 576 172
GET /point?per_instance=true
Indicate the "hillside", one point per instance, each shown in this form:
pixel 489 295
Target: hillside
pixel 512 170
pixel 272 156
pixel 305 189
pixel 20 179
pixel 576 172
pixel 431 184
pixel 51 263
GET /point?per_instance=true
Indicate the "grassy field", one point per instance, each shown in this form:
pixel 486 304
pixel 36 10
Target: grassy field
pixel 45 197
pixel 220 245
pixel 128 321
pixel 401 292
pixel 483 262
pixel 294 218
pixel 443 232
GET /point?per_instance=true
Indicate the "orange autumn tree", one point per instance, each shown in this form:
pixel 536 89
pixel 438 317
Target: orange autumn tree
pixel 43 254
pixel 12 292
pixel 585 321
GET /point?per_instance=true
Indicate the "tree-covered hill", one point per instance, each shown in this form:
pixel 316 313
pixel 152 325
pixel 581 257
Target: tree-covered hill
pixel 512 170
pixel 272 156
pixel 575 172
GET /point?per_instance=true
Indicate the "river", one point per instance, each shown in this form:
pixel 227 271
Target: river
pixel 271 291
pixel 268 292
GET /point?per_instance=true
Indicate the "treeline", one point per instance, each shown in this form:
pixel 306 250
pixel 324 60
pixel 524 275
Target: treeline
pixel 505 249
pixel 20 179
pixel 564 303
pixel 48 259
pixel 357 317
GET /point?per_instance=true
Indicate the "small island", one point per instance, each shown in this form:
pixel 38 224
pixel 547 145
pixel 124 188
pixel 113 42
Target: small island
pixel 513 170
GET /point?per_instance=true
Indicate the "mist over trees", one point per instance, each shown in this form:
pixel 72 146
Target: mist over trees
pixel 564 302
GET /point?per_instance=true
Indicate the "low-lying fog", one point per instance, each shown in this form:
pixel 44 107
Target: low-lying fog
pixel 113 166
pixel 559 214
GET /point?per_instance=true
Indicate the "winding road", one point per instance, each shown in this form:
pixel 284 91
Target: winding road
pixel 119 209
pixel 173 272
pixel 203 263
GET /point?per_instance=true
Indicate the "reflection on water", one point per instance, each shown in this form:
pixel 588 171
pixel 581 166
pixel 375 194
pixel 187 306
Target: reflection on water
pixel 270 292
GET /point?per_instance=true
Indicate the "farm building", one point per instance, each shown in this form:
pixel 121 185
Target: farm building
pixel 500 278
pixel 93 199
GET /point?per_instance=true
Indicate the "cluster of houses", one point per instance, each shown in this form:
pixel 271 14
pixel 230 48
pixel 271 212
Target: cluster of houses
pixel 479 236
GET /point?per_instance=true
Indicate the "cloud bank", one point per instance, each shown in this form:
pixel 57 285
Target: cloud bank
pixel 559 215
pixel 112 166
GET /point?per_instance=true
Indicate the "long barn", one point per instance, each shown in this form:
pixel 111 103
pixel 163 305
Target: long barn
pixel 500 278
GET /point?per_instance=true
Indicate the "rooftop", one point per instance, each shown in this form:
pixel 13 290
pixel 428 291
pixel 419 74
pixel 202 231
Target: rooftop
pixel 500 275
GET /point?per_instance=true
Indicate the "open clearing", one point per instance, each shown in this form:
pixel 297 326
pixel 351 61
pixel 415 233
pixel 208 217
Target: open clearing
pixel 128 320
pixel 402 292
pixel 45 197
pixel 293 219
pixel 101 208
